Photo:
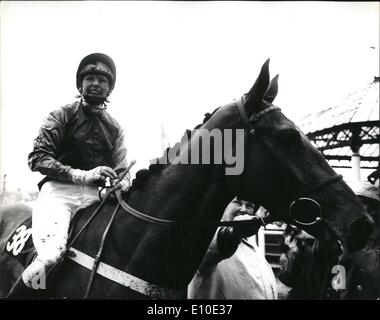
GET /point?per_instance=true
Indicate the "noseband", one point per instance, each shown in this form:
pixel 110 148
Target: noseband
pixel 249 125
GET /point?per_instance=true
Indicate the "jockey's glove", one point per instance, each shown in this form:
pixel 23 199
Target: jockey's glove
pixel 123 185
pixel 100 173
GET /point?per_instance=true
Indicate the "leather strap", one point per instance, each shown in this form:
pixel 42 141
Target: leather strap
pixel 248 122
pixel 121 277
pixel 170 223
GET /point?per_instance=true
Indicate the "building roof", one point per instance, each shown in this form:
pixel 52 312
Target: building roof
pixel 359 106
pixel 350 125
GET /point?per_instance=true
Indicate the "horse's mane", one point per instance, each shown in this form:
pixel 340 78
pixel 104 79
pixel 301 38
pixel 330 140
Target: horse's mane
pixel 157 163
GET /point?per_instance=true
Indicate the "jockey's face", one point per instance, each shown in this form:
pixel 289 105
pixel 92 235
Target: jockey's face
pixel 95 86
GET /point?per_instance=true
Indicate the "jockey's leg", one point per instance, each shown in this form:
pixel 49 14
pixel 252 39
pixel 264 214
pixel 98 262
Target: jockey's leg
pixel 56 205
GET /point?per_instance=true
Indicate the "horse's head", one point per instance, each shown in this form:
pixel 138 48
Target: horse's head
pixel 284 173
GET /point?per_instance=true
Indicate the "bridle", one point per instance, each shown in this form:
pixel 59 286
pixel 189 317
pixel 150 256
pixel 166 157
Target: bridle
pixel 305 189
pixel 249 126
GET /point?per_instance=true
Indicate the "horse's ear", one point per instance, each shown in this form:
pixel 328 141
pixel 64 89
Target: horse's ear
pixel 256 94
pixel 272 90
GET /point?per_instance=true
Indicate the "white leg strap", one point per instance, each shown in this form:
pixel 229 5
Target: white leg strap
pixel 123 278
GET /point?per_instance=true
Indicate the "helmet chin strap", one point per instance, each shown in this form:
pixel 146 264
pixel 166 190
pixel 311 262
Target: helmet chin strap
pixel 97 104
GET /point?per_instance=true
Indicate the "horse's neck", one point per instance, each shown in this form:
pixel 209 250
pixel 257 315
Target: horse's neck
pixel 177 193
pixel 183 192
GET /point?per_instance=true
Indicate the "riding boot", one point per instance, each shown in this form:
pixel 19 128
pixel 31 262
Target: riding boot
pixel 20 291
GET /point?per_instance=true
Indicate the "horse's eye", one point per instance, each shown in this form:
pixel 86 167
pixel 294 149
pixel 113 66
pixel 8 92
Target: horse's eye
pixel 290 136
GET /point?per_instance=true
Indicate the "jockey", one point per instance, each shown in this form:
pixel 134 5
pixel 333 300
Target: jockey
pixel 78 148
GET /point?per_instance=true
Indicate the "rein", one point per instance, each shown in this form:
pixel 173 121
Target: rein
pixel 171 223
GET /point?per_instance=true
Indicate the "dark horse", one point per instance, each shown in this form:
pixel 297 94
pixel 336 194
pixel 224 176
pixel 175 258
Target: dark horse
pixel 146 259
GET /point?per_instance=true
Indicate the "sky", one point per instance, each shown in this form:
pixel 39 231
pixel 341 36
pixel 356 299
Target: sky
pixel 175 62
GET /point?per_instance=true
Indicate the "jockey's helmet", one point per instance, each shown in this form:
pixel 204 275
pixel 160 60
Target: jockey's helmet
pixel 96 63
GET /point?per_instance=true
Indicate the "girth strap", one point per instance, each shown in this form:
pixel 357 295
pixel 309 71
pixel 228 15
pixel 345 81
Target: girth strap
pixel 121 277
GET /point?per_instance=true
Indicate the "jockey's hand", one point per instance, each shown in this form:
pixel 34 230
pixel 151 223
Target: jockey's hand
pixel 100 173
pixel 122 185
pixel 122 182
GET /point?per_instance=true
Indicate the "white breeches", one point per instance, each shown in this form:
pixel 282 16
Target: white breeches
pixel 56 205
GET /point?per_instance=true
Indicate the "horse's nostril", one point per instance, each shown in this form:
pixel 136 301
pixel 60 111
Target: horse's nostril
pixel 360 231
